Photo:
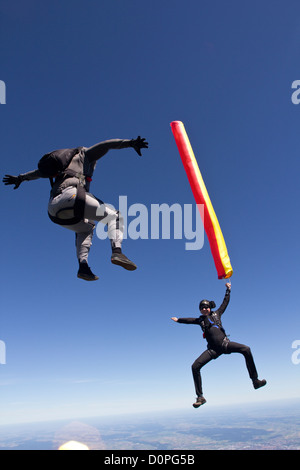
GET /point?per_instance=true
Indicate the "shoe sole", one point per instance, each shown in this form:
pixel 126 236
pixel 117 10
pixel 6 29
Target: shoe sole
pixel 260 386
pixel 196 405
pixel 127 266
pixel 87 278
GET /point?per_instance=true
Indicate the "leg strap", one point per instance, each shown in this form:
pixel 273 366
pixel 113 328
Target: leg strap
pixel 78 209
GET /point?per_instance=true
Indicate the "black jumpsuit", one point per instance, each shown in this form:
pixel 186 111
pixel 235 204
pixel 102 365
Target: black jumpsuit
pixel 217 343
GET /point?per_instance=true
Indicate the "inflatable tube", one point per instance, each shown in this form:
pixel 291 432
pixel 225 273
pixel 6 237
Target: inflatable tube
pixel 210 221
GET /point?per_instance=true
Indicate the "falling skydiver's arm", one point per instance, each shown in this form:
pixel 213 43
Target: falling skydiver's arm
pixel 97 151
pixel 31 175
pixel 17 180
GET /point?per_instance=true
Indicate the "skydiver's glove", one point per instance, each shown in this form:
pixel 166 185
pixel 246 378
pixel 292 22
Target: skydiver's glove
pixel 16 180
pixel 139 144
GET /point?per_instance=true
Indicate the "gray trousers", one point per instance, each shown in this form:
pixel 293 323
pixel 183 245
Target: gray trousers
pixel 95 211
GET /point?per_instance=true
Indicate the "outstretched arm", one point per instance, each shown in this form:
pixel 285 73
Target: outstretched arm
pixel 17 180
pixel 99 150
pixel 192 321
pixel 226 300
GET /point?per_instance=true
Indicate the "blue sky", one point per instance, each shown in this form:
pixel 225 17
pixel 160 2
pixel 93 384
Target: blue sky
pixel 80 72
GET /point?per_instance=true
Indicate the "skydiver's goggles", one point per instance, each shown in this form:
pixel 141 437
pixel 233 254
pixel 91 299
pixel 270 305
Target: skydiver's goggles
pixel 206 304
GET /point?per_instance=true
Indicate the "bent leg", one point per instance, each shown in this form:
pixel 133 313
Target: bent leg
pixel 246 352
pixel 94 210
pixel 201 361
pixel 62 206
pixel 101 212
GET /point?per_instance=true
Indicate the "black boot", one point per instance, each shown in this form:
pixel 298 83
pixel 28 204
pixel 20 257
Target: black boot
pixel 84 272
pixel 259 383
pixel 121 260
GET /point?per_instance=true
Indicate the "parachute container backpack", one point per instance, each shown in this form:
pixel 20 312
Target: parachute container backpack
pixel 210 222
pixel 53 163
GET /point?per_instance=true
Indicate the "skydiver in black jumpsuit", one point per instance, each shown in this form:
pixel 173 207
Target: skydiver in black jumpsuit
pixel 217 343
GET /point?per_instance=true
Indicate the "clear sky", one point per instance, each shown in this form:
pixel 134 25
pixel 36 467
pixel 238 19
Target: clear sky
pixel 78 72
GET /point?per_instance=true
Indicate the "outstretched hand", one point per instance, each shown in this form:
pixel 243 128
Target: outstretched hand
pixel 138 144
pixel 228 285
pixel 174 318
pixel 10 179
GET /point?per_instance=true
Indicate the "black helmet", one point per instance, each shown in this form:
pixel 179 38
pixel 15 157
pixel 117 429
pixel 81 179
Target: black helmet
pixel 207 303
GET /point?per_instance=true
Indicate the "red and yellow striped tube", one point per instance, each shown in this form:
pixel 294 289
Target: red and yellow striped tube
pixel 210 222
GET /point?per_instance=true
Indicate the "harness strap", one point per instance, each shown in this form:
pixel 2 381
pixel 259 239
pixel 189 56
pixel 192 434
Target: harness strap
pixel 80 176
pixel 79 202
pixel 78 209
pixel 225 343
